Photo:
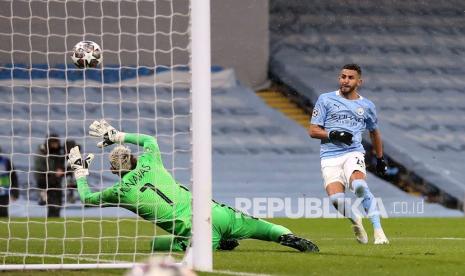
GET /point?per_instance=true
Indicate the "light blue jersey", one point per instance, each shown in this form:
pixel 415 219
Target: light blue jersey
pixel 334 112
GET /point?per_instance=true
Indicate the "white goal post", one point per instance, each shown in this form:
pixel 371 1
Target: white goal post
pixel 155 79
pixel 201 136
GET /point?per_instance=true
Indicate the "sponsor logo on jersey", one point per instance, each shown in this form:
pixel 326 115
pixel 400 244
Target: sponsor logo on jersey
pixel 341 117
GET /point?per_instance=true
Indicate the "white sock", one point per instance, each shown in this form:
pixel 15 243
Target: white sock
pixel 342 206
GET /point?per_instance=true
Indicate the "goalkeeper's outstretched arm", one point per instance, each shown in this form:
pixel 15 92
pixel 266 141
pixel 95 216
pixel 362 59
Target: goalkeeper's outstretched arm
pixel 92 198
pixel 80 167
pixel 148 142
pixel 110 135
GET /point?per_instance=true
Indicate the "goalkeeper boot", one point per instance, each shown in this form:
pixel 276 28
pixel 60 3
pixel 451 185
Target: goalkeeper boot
pixel 301 244
pixel 380 237
pixel 228 244
pixel 359 231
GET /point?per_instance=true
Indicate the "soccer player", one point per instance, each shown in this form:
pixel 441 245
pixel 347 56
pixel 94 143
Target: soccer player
pixel 339 118
pixel 148 189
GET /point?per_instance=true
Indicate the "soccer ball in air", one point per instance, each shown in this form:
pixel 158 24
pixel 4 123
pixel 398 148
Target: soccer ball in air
pixel 86 54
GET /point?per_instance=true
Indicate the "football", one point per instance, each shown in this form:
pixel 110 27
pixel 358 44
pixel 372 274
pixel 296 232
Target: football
pixel 87 54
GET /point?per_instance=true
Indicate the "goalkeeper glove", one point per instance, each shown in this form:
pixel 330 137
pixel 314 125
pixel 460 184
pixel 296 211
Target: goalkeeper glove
pixel 79 166
pixel 381 166
pixel 341 137
pixel 104 130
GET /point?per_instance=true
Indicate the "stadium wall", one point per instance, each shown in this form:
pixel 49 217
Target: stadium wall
pixel 41 31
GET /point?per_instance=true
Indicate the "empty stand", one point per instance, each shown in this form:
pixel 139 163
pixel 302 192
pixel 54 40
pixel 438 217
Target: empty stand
pixel 412 55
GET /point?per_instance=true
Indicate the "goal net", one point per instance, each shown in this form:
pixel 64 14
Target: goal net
pixel 144 85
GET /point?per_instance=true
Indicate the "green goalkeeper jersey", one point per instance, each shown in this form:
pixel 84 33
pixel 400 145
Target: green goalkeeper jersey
pixel 149 190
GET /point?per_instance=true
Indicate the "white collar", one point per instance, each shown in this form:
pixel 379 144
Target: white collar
pixel 338 92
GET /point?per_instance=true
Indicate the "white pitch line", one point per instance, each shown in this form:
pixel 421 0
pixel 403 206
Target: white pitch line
pixel 430 238
pixel 228 272
pixel 399 238
pixel 21 254
pixel 225 272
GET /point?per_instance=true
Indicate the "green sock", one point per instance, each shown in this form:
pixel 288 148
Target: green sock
pixel 267 231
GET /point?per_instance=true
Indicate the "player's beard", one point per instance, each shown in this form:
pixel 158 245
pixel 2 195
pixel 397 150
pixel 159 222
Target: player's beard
pixel 347 89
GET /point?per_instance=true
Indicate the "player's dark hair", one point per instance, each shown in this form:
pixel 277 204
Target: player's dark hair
pixel 353 66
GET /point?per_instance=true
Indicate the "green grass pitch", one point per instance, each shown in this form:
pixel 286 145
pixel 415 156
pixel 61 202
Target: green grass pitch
pixel 418 246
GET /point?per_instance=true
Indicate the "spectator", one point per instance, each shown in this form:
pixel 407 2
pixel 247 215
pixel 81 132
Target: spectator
pixel 49 171
pixel 8 184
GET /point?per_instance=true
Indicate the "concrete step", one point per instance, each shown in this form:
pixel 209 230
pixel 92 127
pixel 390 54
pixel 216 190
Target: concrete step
pixel 278 101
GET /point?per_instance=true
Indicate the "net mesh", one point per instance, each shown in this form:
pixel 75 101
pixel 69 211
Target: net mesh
pixel 142 86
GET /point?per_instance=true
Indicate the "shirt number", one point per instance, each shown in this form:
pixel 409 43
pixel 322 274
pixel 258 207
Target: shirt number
pixel 159 193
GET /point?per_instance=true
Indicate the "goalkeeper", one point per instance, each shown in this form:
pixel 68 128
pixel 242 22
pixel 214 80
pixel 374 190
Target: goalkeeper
pixel 148 189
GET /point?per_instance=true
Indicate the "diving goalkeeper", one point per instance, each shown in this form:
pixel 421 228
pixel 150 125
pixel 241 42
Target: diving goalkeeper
pixel 148 189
